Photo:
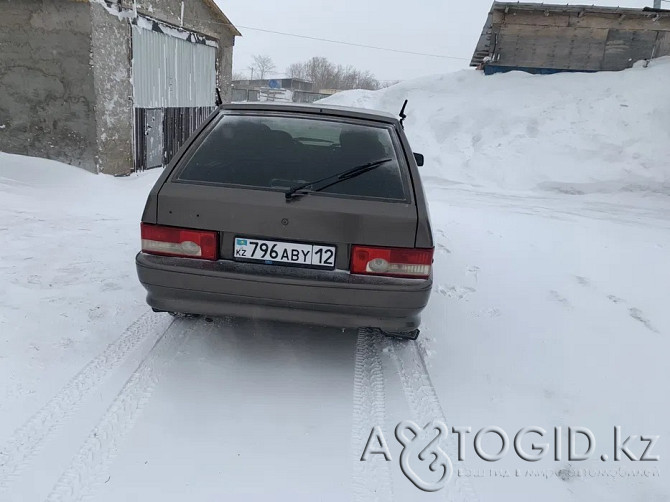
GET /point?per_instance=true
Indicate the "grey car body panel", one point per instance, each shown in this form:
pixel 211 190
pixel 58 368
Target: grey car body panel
pixel 265 214
pixel 424 233
pixel 151 207
pixel 327 298
pixel 227 287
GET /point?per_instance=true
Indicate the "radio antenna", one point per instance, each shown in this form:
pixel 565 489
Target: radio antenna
pixel 402 114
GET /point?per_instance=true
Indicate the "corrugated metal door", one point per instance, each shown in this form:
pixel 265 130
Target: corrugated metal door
pixel 172 77
pixel 153 133
pixel 171 72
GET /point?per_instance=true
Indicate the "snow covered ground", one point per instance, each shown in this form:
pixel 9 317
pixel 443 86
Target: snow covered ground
pixel 550 200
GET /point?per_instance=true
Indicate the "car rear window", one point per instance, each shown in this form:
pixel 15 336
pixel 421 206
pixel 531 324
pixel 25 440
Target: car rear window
pixel 280 152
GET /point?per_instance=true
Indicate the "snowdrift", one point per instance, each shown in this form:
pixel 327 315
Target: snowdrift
pixel 518 131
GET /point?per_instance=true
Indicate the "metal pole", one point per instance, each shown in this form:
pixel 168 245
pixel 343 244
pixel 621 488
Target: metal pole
pixel 657 4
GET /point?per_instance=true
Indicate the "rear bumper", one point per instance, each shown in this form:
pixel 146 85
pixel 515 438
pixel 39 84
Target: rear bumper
pixel 282 293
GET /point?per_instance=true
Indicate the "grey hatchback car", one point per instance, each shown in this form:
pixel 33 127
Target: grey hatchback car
pixel 301 213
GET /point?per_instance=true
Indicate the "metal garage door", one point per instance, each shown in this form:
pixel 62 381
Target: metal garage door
pixel 172 77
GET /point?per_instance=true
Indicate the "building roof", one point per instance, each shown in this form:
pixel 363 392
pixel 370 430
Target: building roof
pixel 267 79
pixel 223 17
pixel 586 9
pixel 483 48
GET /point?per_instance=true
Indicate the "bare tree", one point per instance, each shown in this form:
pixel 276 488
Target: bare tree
pixel 297 70
pixel 261 66
pixel 238 75
pixel 325 75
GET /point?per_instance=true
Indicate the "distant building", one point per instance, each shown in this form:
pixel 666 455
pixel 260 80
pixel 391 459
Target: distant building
pixel 109 85
pixel 293 84
pixel 294 90
pixel 329 92
pixel 542 38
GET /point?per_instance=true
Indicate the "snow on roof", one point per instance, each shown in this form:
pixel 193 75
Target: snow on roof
pixel 121 13
pixel 567 8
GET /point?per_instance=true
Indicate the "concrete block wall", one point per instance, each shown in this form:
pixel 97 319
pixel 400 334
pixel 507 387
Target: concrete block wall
pixel 47 96
pixel 111 51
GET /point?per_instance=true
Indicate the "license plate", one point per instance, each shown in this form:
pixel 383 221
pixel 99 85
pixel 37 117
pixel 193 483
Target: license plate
pixel 293 253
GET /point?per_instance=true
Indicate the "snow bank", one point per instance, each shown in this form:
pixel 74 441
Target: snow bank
pixel 518 131
pixel 67 275
pixel 547 310
pixel 31 184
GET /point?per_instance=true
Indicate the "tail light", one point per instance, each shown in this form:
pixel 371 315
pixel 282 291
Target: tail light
pixel 394 262
pixel 172 241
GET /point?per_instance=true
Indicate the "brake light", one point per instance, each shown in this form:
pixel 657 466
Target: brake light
pixel 172 241
pixel 394 262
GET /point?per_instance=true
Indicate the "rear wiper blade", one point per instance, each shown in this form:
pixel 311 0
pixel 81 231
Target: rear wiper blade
pixel 323 183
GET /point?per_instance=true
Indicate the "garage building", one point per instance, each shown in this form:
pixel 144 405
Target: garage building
pixel 544 38
pixel 109 85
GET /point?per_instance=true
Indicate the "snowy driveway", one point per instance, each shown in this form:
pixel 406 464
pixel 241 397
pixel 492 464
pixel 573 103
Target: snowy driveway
pixel 548 309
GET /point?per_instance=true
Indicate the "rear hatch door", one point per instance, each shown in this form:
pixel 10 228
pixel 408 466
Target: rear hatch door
pixel 234 181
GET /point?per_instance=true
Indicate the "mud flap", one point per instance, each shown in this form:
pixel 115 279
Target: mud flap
pixel 406 335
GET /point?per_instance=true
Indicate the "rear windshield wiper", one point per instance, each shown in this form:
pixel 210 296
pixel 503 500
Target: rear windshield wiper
pixel 323 183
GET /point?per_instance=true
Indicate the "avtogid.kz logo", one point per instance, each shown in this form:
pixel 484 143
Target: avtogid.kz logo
pixel 422 459
pixel 426 464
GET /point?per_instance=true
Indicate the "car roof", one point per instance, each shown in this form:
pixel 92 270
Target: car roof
pixel 315 108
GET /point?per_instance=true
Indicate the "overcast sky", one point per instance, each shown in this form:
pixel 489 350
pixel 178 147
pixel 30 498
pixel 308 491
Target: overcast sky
pixel 442 27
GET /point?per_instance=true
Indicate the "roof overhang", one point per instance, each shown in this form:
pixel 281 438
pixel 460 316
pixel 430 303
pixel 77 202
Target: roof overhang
pixel 217 10
pixel 567 9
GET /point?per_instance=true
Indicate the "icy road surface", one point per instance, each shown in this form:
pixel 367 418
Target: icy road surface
pixel 548 310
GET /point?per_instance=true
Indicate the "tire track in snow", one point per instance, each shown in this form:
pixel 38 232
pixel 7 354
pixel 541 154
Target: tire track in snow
pixel 371 479
pixel 26 441
pixel 89 466
pixel 425 406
